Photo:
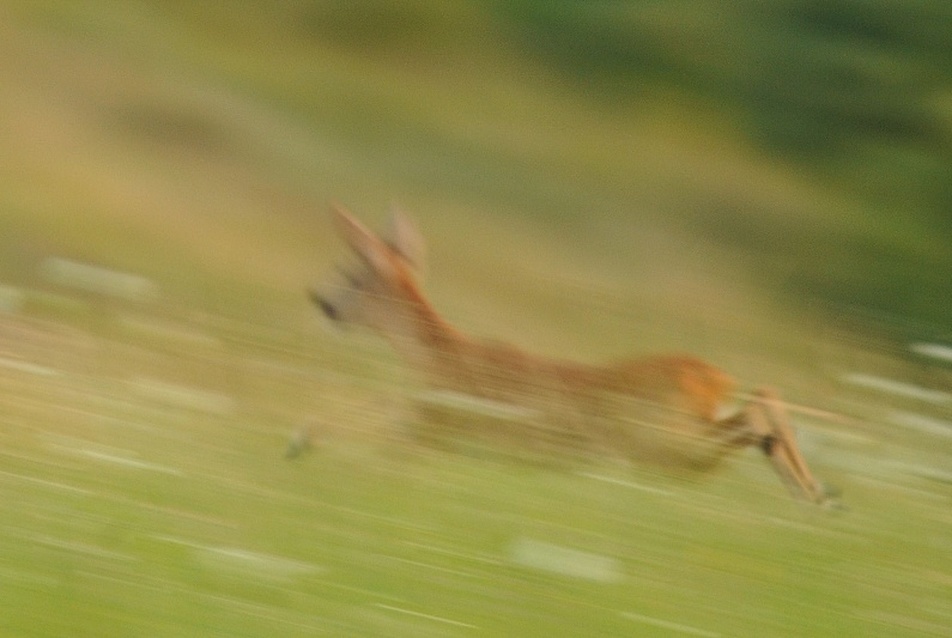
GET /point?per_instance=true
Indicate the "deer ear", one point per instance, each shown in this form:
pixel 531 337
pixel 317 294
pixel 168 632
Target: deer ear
pixel 402 235
pixel 374 252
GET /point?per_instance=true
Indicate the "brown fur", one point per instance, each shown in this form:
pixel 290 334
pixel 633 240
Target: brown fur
pixel 661 409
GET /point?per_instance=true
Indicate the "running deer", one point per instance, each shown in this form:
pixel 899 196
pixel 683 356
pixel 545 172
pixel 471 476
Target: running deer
pixel 663 409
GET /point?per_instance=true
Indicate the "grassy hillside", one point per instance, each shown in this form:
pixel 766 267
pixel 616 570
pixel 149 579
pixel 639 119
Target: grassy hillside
pixel 763 184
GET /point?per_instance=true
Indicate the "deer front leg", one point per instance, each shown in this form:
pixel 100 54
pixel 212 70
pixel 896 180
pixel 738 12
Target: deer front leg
pixel 764 423
pixel 767 417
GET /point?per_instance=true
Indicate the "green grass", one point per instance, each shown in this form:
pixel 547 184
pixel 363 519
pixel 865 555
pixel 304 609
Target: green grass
pixel 141 453
pixel 147 494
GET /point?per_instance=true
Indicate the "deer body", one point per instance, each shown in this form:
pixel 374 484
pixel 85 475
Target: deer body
pixel 660 409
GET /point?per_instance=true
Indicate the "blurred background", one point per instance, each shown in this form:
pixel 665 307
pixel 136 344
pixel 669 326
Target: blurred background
pixel 766 184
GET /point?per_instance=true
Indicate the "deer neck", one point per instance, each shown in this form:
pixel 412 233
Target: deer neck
pixel 422 336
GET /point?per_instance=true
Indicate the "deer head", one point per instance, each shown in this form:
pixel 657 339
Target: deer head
pixel 381 282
